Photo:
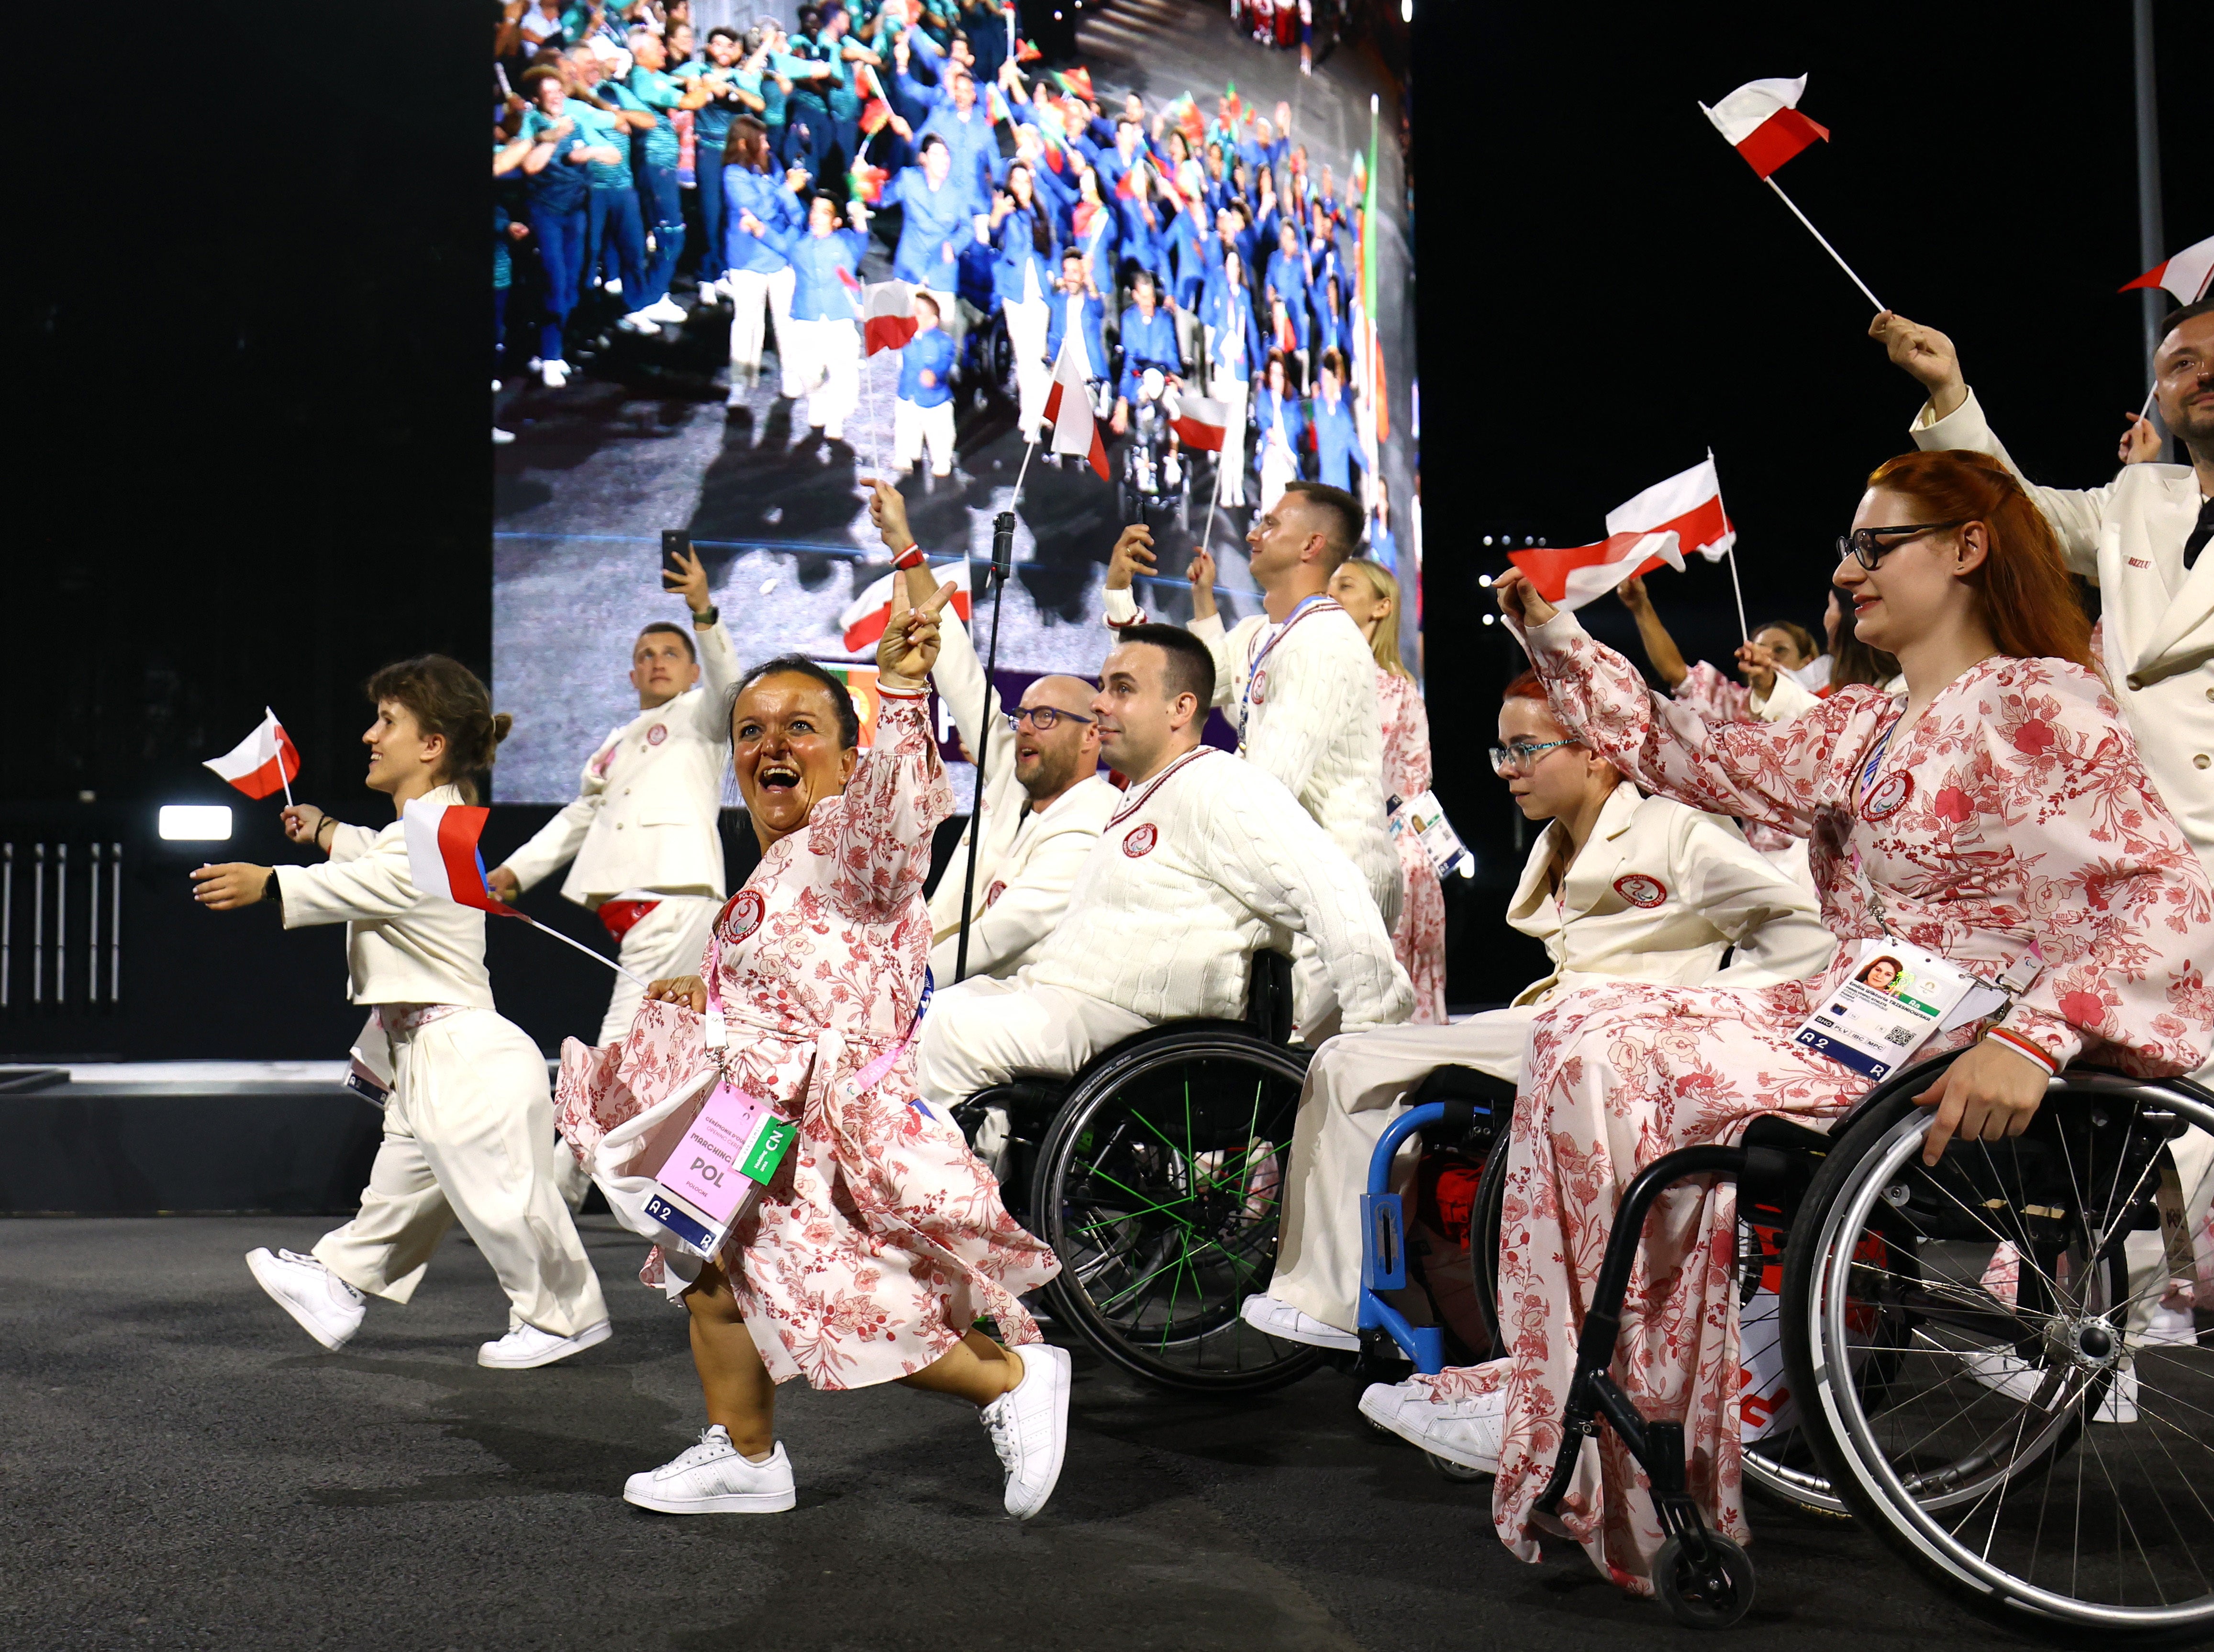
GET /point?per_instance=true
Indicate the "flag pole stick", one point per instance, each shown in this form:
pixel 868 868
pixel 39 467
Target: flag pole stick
pixel 2146 411
pixel 1207 534
pixel 597 958
pixel 1819 236
pixel 1028 448
pixel 1738 590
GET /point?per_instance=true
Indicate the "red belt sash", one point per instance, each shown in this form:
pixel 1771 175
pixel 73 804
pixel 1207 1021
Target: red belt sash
pixel 620 917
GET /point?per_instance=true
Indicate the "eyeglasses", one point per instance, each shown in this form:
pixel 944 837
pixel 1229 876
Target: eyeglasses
pixel 1863 545
pixel 1042 717
pixel 1518 757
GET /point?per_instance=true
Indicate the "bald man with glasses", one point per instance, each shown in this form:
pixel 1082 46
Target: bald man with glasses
pixel 1041 800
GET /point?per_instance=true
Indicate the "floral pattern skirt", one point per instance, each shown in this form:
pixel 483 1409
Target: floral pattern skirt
pixel 1418 940
pixel 882 1238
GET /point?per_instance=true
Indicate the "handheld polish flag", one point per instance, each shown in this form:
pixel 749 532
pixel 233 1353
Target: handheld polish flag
pixel 443 859
pixel 1688 505
pixel 866 615
pixel 1198 422
pixel 888 317
pixel 1570 576
pixel 264 762
pixel 1761 120
pixel 1069 410
pixel 442 853
pixel 2183 276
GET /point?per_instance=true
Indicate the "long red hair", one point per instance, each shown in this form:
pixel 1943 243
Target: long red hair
pixel 2028 599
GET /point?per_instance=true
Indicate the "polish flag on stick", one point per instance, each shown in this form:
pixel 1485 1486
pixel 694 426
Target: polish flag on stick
pixel 888 317
pixel 1570 576
pixel 2183 276
pixel 443 859
pixel 1069 410
pixel 264 762
pixel 866 617
pixel 1689 505
pixel 1762 122
pixel 1198 422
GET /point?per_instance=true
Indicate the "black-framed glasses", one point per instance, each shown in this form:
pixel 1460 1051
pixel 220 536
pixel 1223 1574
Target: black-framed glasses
pixel 1518 757
pixel 1042 717
pixel 1866 546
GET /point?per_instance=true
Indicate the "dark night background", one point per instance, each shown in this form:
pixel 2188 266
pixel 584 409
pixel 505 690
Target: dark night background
pixel 251 456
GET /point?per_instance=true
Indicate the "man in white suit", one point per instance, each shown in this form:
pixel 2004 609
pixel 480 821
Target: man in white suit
pixel 1041 799
pixel 1618 886
pixel 642 834
pixel 2142 539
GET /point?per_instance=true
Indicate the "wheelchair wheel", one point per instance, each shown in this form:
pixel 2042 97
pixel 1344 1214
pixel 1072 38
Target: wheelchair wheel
pixel 1483 1219
pixel 1952 1332
pixel 1713 1592
pixel 1158 1186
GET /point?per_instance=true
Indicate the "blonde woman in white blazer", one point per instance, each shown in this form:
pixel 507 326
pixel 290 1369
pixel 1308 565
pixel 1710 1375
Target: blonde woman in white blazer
pixel 1618 886
pixel 642 839
pixel 468 1128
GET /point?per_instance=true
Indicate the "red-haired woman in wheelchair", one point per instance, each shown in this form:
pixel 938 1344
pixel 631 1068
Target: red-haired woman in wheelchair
pixel 1999 819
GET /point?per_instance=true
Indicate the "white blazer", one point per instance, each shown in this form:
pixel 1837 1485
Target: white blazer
pixel 402 946
pixel 1658 893
pixel 2156 633
pixel 1026 863
pixel 646 815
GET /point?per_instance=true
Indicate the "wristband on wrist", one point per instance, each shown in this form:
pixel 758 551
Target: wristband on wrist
pixel 707 618
pixel 330 821
pixel 2021 1046
pixel 899 688
pixel 912 557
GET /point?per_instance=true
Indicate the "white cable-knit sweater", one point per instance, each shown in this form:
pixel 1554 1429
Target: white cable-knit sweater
pixel 1201 865
pixel 1310 718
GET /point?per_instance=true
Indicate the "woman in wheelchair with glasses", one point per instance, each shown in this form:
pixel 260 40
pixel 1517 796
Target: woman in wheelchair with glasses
pixel 1999 819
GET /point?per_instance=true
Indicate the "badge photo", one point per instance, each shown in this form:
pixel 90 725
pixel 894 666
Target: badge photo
pixel 656 734
pixel 1890 797
pixel 1140 839
pixel 741 917
pixel 1640 890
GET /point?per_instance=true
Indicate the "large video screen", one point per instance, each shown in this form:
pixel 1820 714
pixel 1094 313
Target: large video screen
pixel 1157 203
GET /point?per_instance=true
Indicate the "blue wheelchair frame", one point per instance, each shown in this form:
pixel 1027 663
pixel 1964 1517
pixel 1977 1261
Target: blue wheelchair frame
pixel 1384 1234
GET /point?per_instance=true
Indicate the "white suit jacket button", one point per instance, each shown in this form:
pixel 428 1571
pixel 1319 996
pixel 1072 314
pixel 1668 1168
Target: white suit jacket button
pixel 2201 760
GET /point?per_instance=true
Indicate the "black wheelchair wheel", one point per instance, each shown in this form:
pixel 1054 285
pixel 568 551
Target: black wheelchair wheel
pixel 1709 1591
pixel 1992 1294
pixel 1158 1186
pixel 1483 1219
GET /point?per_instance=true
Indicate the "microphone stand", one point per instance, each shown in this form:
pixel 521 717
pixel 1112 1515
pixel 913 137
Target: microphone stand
pixel 1001 570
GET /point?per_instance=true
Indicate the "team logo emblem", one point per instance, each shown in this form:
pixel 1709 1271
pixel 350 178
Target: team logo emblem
pixel 1140 839
pixel 1641 891
pixel 741 917
pixel 1259 691
pixel 994 893
pixel 1888 798
pixel 656 734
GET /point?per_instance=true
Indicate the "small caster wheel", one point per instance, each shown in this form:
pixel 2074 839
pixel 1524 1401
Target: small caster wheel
pixel 1451 1471
pixel 1713 1593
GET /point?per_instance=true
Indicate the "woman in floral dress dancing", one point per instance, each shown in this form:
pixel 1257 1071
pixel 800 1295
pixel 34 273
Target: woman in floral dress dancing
pixel 881 1239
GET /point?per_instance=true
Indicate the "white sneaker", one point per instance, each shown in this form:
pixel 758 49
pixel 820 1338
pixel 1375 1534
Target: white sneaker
pixel 833 431
pixel 500 438
pixel 2168 1328
pixel 327 1308
pixel 527 1347
pixel 1028 1426
pixel 1463 1431
pixel 666 309
pixel 2021 1379
pixel 1282 1320
pixel 638 320
pixel 714 1478
pixel 612 285
pixel 553 374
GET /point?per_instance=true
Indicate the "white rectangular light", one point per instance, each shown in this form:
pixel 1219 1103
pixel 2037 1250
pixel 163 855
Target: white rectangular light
pixel 200 822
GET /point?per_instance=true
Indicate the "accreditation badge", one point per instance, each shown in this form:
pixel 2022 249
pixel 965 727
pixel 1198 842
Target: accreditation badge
pixel 1897 996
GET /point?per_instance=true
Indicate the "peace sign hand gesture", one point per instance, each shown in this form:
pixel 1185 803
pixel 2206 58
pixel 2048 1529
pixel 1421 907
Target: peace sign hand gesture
pixel 908 647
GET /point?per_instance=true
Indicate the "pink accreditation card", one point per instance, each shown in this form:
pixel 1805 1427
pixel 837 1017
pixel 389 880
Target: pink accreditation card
pixel 714 1166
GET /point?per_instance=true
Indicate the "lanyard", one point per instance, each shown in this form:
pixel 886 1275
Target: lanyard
pixel 1308 604
pixel 1876 758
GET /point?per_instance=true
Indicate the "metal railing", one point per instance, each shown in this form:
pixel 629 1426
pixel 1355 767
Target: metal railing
pixel 58 886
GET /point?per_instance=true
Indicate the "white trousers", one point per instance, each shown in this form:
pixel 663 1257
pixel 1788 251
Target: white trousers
pixel 751 292
pixel 1026 328
pixel 670 940
pixel 829 371
pixel 1277 469
pixel 1356 1085
pixel 913 425
pixel 468 1132
pixel 950 317
pixel 980 1032
pixel 2150 1267
pixel 1230 464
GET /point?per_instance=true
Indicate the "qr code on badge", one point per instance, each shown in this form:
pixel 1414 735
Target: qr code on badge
pixel 1901 1036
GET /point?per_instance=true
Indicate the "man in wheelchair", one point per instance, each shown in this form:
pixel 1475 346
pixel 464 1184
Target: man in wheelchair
pixel 1619 886
pixel 1206 861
